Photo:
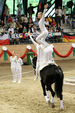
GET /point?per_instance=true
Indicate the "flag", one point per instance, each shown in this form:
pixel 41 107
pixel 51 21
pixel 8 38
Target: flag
pixel 67 37
pixel 4 40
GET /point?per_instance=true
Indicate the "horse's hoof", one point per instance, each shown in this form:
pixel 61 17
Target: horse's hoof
pixel 49 102
pixel 53 105
pixel 61 109
pixel 47 99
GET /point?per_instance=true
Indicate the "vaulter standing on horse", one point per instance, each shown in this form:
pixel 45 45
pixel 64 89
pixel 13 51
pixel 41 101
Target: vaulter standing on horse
pixel 44 32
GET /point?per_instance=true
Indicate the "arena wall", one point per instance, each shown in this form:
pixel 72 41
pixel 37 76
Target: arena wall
pixel 62 48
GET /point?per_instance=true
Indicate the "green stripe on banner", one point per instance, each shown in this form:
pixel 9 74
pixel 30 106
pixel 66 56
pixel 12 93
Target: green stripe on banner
pixel 53 54
pixel 73 51
pixel 5 55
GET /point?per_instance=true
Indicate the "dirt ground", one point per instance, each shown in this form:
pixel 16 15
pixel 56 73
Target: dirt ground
pixel 27 97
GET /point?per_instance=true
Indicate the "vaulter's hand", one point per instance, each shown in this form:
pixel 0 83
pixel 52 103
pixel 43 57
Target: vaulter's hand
pixel 45 6
pixel 29 33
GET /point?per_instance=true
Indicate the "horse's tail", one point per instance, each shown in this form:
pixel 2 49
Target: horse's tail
pixel 59 82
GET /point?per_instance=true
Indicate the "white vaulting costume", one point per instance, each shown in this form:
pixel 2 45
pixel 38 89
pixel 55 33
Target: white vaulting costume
pixel 44 33
pixel 44 56
pixel 39 56
pixel 19 64
pixel 47 57
pixel 13 67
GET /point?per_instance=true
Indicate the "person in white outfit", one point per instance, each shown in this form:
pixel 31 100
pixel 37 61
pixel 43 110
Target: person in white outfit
pixel 44 56
pixel 19 64
pixel 13 65
pixel 44 32
pixel 39 54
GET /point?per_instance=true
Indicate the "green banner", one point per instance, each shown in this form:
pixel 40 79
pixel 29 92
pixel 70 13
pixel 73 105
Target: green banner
pixel 5 55
pixel 73 51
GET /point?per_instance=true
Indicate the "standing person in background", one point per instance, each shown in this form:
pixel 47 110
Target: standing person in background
pixel 19 64
pixel 30 10
pixel 18 10
pixel 25 18
pixel 10 37
pixel 13 59
pixel 58 15
pixel 6 11
pixel 63 14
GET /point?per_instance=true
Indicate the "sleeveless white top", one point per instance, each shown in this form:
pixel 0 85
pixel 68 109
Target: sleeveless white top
pixel 19 62
pixel 13 60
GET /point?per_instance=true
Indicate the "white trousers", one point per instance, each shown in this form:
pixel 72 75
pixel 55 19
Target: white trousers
pixel 37 71
pixel 41 38
pixel 19 73
pixel 13 70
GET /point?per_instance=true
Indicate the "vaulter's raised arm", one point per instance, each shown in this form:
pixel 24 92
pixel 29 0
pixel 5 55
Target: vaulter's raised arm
pixel 44 12
pixel 45 9
pixel 35 43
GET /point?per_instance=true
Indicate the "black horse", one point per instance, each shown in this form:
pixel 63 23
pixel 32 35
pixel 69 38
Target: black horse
pixel 49 75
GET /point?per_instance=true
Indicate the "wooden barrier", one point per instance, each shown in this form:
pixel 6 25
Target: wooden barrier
pixel 62 48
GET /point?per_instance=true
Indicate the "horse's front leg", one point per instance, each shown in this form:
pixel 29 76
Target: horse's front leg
pixel 44 91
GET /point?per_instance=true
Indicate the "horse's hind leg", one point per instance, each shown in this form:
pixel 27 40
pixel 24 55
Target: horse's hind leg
pixel 44 91
pixel 61 101
pixel 43 87
pixel 52 93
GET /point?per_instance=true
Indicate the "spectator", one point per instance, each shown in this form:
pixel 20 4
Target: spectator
pixel 2 23
pixel 18 10
pixel 13 24
pixel 35 32
pixel 30 10
pixel 73 22
pixel 53 29
pixel 50 20
pixel 10 37
pixel 25 18
pixel 69 20
pixel 20 30
pixel 24 29
pixel 11 29
pixel 58 28
pixel 53 23
pixel 36 22
pixel 46 22
pixel 58 15
pixel 15 37
pixel 15 19
pixel 30 24
pixel 25 24
pixel 6 12
pixel 1 29
pixel 10 19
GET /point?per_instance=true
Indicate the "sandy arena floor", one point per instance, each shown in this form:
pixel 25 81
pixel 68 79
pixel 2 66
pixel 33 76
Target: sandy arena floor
pixel 27 97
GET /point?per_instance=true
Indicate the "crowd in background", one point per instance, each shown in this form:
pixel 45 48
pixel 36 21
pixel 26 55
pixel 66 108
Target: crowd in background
pixel 17 27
